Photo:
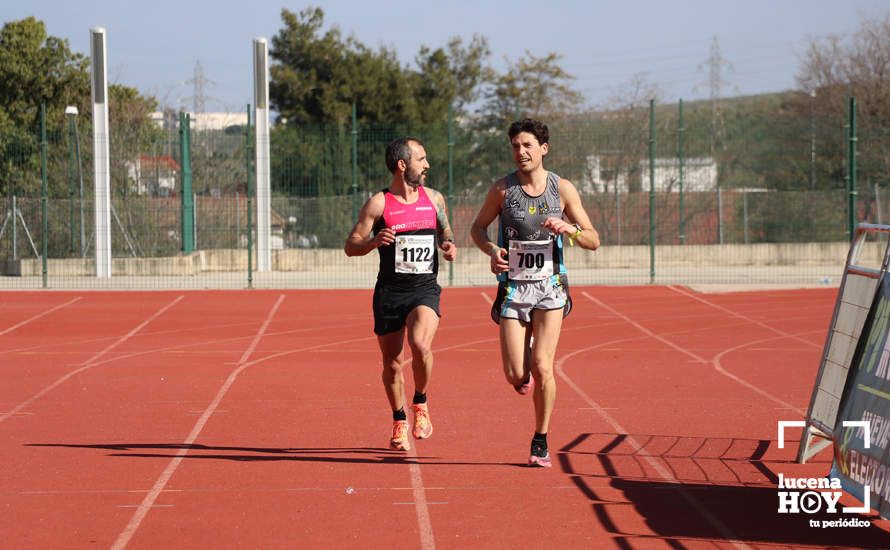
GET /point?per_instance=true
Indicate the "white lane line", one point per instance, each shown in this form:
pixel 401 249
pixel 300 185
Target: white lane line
pixel 38 316
pixel 426 531
pixel 742 316
pixel 716 362
pixel 165 476
pixel 661 470
pixel 427 538
pixel 153 506
pixel 89 363
pixel 658 337
pixel 665 474
pixel 719 368
pixel 421 504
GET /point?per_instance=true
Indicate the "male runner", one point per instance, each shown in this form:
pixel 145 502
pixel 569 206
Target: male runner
pixel 408 221
pixel 538 214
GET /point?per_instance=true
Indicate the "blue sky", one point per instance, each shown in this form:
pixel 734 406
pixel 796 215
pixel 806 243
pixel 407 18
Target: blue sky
pixel 155 45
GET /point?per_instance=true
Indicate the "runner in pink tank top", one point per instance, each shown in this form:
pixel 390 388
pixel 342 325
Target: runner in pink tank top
pixel 408 224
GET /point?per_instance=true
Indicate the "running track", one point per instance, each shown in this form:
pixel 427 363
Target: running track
pixel 257 419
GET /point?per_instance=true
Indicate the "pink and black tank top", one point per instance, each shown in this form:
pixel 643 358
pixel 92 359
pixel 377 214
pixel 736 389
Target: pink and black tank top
pixel 412 260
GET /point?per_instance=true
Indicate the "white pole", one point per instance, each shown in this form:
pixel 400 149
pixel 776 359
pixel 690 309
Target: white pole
pixel 101 167
pixel 263 179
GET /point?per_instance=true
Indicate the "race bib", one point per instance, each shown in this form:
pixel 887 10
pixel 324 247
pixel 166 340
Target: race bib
pixel 530 260
pixel 415 253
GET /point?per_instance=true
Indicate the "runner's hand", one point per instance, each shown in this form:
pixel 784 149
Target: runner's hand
pixel 499 262
pixel 384 237
pixel 449 251
pixel 559 226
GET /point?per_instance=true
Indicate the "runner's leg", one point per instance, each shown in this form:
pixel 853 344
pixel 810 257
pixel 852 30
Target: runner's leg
pixel 391 345
pixel 515 335
pixel 546 325
pixel 422 323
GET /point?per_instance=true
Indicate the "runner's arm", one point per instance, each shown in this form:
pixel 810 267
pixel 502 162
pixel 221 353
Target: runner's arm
pixel 360 242
pixel 490 210
pixel 444 234
pixel 577 226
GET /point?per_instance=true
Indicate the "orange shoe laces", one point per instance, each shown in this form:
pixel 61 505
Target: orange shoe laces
pixel 421 416
pixel 400 431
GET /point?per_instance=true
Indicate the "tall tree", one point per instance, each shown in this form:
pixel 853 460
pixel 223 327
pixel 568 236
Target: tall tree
pixel 35 68
pixel 38 68
pixel 451 77
pixel 834 67
pixel 532 86
pixel 318 74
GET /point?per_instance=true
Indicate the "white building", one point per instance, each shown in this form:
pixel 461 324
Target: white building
pixel 153 175
pixel 205 121
pixel 700 175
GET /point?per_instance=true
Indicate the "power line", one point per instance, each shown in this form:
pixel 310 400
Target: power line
pixel 199 83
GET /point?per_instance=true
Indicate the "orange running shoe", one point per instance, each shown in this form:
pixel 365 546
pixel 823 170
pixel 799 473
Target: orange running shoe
pixel 423 428
pixel 399 439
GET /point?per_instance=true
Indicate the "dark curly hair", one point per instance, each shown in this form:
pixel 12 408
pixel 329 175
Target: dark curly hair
pixel 533 127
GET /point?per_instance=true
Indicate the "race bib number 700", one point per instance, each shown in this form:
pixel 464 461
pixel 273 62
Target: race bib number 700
pixel 415 253
pixel 530 260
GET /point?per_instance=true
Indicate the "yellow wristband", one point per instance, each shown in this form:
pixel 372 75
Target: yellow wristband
pixel 574 235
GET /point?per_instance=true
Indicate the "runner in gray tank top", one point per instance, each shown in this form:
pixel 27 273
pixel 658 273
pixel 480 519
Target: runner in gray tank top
pixel 539 213
pixel 522 220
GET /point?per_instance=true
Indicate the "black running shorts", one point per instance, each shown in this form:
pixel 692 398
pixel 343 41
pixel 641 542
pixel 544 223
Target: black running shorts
pixel 392 304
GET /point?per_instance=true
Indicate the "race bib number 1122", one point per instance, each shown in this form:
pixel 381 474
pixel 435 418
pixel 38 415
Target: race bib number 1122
pixel 415 253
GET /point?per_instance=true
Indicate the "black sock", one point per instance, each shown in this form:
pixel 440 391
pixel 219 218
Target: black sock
pixel 399 415
pixel 539 445
pixel 419 398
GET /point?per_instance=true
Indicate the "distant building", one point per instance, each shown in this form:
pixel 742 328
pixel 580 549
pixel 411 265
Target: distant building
pixel 700 175
pixel 201 121
pixel 153 175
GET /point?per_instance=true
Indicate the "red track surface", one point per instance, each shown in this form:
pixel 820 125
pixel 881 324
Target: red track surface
pixel 257 419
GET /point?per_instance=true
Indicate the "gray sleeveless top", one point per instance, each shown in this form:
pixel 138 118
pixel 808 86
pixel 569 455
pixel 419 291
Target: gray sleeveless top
pixel 522 216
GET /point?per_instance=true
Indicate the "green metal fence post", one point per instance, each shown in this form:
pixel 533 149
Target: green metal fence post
pixel 651 190
pixel 43 193
pixel 681 158
pixel 248 157
pixel 187 216
pixel 851 166
pixel 354 163
pixel 450 197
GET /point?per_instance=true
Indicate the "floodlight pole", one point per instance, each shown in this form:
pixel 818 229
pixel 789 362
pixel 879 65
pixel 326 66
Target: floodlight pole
pixel 263 183
pixel 101 166
pixel 71 112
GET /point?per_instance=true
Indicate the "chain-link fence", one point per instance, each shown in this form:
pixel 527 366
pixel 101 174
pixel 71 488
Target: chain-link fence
pixel 735 197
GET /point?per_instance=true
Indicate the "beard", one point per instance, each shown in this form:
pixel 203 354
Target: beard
pixel 415 179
